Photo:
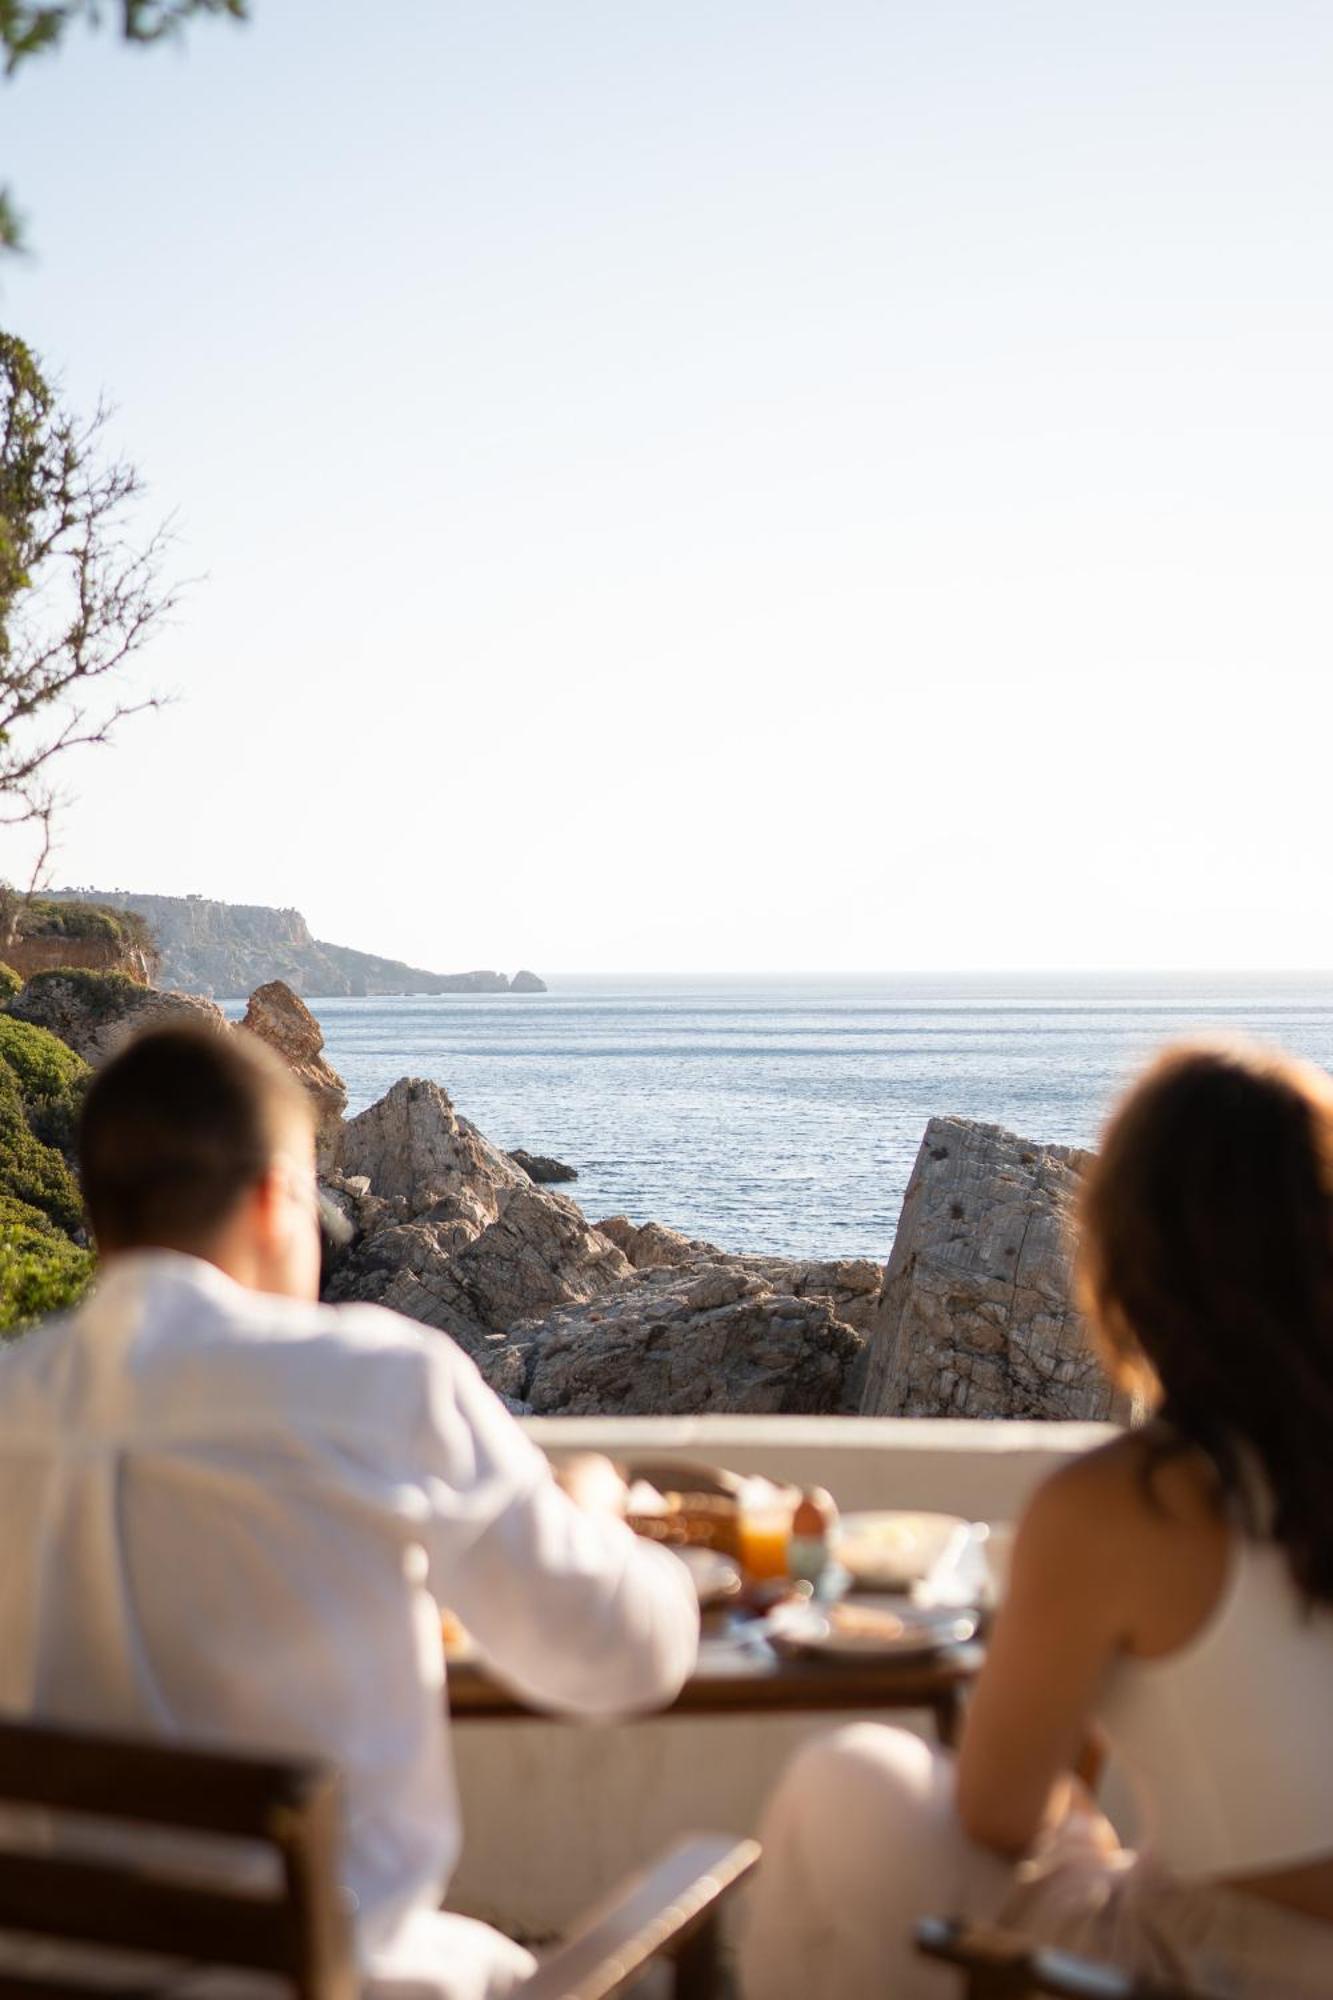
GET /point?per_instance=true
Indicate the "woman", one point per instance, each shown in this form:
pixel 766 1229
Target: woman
pixel 1173 1589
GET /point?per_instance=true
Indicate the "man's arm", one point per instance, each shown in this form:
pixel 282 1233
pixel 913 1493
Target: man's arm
pixel 572 1609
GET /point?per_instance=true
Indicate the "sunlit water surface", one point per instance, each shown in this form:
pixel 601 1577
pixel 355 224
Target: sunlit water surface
pixel 784 1114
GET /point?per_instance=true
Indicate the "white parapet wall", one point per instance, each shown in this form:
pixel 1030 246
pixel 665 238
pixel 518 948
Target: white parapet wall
pixel 554 1813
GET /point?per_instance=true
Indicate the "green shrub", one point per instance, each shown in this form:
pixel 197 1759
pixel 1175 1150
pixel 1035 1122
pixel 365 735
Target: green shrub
pixel 71 993
pixel 10 984
pixel 30 1170
pixel 51 1080
pixel 41 1271
pixel 89 923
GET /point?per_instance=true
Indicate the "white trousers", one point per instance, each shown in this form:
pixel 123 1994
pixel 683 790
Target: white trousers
pixel 861 1838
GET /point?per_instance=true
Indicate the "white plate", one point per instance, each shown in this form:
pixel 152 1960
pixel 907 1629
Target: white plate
pixel 863 1630
pixel 716 1577
pixel 892 1551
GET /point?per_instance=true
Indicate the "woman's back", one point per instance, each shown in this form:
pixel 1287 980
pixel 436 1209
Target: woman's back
pixel 1219 1702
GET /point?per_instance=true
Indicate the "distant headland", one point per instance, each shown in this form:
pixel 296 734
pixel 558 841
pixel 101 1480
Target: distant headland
pixel 225 950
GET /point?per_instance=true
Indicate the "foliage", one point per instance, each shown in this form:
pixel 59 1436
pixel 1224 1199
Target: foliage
pixel 91 996
pixel 78 595
pixel 10 983
pixel 97 923
pixel 41 1270
pixel 32 27
pixel 51 1080
pixel 30 1170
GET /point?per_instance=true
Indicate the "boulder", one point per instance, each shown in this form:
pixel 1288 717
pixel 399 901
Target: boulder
pixel 412 1146
pixel 540 1167
pixel 281 1018
pixel 651 1246
pixel 976 1317
pixel 538 1254
pixel 96 1013
pixel 687 1342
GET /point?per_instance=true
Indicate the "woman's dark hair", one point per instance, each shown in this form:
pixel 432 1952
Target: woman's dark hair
pixel 1205 1266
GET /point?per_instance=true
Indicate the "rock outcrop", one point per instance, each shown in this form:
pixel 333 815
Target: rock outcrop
pixel 280 1018
pixel 678 1343
pixel 976 1317
pixel 227 949
pixel 526 982
pixel 558 1314
pixel 540 1167
pixel 413 1147
pixel 96 1013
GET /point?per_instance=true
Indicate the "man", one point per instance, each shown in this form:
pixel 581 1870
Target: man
pixel 231 1514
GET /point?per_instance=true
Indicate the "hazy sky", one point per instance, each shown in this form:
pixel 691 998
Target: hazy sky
pixel 697 485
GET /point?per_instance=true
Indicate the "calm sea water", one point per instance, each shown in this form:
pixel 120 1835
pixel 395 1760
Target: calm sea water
pixel 784 1114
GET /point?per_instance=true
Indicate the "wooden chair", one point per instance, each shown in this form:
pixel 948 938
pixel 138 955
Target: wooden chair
pixel 998 1965
pixel 160 1921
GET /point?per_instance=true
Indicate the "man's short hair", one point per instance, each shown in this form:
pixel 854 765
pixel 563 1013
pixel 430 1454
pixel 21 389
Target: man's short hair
pixel 176 1129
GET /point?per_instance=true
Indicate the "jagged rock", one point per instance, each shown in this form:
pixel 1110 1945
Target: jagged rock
pixel 685 1342
pixel 976 1317
pixel 539 1253
pixel 849 1286
pixel 540 1167
pixel 96 1013
pixel 413 1145
pixel 651 1246
pixel 281 1019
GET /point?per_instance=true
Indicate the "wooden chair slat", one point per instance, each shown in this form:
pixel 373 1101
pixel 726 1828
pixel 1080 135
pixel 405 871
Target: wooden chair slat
pixel 92 1902
pixel 658 1913
pixel 32 1986
pixel 160 1784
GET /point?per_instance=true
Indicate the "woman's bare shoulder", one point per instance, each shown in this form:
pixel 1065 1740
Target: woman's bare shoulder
pixel 1139 1483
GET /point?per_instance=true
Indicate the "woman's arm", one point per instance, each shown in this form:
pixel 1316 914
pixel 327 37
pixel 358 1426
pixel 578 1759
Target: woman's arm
pixel 1061 1624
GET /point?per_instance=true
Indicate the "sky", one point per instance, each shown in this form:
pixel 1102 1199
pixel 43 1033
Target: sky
pixel 701 485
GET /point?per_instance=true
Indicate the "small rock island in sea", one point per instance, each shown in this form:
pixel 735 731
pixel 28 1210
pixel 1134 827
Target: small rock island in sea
pixel 971 1316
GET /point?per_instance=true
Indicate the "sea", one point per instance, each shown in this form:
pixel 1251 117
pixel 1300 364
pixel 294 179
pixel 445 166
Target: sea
pixel 784 1114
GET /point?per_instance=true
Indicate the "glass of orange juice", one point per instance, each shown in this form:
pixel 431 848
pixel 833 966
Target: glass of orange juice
pixel 764 1529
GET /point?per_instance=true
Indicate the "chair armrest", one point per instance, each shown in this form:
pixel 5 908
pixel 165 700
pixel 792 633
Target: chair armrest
pixel 651 1916
pixel 1017 1966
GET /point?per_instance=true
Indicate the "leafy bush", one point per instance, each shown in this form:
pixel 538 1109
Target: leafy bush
pixel 41 1271
pixel 51 1079
pixel 72 993
pixel 85 923
pixel 30 1170
pixel 10 984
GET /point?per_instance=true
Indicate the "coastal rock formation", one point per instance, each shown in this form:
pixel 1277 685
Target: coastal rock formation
pixel 96 1013
pixel 413 1147
pixel 556 1313
pixel 282 1020
pixel 540 1167
pixel 976 1317
pixel 227 949
pixel 526 982
pixel 849 1286
pixel 686 1342
pixel 651 1246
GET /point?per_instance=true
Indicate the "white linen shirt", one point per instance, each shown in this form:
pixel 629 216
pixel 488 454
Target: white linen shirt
pixel 233 1518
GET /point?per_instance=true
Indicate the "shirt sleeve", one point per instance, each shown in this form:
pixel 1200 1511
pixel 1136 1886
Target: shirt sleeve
pixel 571 1609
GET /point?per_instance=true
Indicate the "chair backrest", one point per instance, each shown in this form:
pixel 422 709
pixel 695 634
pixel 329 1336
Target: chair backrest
pixel 142 1904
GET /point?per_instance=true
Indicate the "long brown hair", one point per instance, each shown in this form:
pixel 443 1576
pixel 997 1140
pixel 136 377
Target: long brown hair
pixel 1205 1266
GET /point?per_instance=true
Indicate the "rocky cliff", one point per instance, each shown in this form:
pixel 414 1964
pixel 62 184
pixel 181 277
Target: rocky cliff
pixel 228 949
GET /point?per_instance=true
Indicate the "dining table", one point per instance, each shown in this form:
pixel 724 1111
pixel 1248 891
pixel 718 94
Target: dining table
pixel 740 1673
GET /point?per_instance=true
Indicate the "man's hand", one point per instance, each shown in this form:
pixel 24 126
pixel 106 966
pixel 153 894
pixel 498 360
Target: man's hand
pixel 592 1483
